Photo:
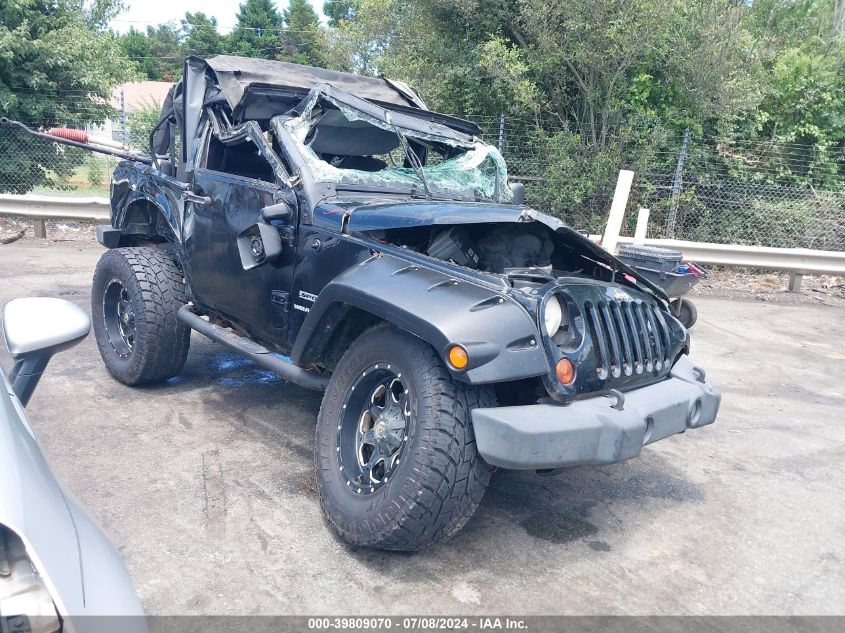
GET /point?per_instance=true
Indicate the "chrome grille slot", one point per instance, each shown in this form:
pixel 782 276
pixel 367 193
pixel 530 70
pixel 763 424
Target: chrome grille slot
pixel 642 334
pixel 628 337
pixel 654 336
pixel 613 337
pixel 599 340
pixel 624 337
pixel 628 312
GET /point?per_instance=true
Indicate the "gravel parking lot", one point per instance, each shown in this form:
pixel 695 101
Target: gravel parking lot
pixel 205 484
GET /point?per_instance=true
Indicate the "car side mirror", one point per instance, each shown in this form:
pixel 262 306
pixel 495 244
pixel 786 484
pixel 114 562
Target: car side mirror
pixel 261 243
pixel 258 245
pixel 35 328
pixel 518 191
pixel 279 211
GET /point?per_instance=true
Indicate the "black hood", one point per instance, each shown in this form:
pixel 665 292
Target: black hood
pixel 384 214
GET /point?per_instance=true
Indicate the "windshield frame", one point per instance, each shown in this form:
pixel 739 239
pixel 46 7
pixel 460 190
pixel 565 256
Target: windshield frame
pixel 427 127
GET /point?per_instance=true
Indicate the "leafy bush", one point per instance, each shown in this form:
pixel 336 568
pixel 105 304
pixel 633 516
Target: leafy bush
pixel 757 220
pixel 574 178
pixel 95 171
pixel 139 124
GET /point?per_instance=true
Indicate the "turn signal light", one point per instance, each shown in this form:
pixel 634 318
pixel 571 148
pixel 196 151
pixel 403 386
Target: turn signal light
pixel 565 371
pixel 458 357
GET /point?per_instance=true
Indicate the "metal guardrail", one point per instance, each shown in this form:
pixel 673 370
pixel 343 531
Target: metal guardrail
pixel 55 207
pixel 43 208
pixel 795 260
pixel 798 260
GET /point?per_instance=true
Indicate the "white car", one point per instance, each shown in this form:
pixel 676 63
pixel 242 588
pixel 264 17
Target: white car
pixel 58 570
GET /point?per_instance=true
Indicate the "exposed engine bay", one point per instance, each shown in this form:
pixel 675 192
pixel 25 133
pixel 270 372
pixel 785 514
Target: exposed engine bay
pixel 522 250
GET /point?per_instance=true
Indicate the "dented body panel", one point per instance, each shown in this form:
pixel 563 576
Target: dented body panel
pixel 135 187
pixel 497 332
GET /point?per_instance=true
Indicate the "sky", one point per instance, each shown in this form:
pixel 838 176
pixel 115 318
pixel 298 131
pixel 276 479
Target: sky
pixel 140 13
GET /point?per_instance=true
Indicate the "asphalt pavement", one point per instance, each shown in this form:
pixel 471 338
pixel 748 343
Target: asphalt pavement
pixel 205 484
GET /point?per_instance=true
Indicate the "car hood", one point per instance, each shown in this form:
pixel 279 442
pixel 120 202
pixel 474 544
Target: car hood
pixel 383 214
pixel 32 505
pixel 82 570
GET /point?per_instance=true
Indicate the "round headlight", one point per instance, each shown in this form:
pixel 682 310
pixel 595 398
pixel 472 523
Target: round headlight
pixel 552 316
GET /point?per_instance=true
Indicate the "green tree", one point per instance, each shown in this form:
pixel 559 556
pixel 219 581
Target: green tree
pixel 95 171
pixel 168 50
pixel 58 68
pixel 200 34
pixel 158 53
pixel 302 39
pixel 340 11
pixel 797 133
pixel 136 46
pixel 362 34
pixel 602 83
pixel 257 31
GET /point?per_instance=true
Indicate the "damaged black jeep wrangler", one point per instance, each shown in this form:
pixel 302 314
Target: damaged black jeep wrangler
pixel 330 228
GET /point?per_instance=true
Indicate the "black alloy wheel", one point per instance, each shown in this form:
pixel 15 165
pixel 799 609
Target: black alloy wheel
pixel 373 428
pixel 119 318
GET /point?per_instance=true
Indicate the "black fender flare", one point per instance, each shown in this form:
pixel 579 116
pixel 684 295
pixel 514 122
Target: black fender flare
pixel 500 337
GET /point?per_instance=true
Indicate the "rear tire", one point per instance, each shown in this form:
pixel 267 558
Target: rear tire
pixel 430 477
pixel 134 299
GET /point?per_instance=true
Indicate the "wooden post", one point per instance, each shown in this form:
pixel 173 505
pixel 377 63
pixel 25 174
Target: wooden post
pixel 39 227
pixel 795 282
pixel 642 225
pixel 617 211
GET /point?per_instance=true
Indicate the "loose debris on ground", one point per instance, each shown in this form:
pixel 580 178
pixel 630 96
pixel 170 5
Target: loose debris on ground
pixel 765 285
pixel 57 230
pixel 11 237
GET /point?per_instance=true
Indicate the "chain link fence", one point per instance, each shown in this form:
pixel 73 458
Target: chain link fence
pixel 702 189
pixel 33 165
pixel 699 189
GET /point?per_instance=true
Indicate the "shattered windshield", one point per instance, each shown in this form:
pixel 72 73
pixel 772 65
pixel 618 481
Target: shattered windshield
pixel 348 147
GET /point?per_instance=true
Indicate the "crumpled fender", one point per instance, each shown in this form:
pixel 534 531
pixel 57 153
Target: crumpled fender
pixel 500 337
pixel 133 183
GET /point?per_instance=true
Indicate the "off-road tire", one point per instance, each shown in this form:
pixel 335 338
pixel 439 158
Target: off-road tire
pixel 441 478
pixel 686 312
pixel 156 290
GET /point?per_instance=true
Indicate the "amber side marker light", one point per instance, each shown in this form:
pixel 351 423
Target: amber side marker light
pixel 458 357
pixel 565 371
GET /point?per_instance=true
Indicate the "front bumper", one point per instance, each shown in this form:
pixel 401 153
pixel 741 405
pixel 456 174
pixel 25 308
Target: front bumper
pixel 596 431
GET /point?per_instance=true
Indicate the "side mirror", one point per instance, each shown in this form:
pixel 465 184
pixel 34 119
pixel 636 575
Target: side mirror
pixel 279 211
pixel 258 245
pixel 35 328
pixel 261 243
pixel 518 191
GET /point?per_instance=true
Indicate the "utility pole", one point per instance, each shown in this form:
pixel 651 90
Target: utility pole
pixel 123 138
pixel 676 187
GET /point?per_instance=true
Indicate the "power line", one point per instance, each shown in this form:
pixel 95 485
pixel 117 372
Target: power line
pixel 230 28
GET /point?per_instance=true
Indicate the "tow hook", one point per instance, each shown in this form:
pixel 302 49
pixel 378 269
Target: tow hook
pixel 619 405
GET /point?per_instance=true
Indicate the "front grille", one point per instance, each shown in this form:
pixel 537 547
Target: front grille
pixel 629 337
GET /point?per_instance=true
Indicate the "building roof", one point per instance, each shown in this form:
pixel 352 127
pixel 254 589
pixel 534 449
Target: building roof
pixel 138 95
